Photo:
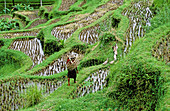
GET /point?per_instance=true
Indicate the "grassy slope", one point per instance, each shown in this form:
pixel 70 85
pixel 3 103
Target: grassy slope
pixel 141 51
pixel 62 94
pixel 60 98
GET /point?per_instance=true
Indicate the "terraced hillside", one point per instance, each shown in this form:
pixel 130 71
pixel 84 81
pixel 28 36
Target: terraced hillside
pixel 122 48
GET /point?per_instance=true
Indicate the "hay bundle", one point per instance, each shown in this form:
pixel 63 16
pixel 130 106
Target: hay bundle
pixel 72 65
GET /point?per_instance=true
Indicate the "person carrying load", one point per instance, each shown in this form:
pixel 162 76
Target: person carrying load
pixel 72 68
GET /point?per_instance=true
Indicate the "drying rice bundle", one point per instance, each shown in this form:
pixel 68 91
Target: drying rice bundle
pixel 72 65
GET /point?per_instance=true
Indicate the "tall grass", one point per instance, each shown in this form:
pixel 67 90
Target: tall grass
pixel 33 96
pixel 161 8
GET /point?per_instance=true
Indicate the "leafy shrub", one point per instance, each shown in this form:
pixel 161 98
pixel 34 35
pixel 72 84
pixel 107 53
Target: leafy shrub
pixel 33 96
pixel 19 7
pixel 52 46
pixel 27 7
pixel 1 43
pixel 106 37
pixel 139 86
pixel 6 10
pixel 6 24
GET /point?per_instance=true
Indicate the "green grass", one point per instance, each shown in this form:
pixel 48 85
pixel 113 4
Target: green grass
pixel 91 102
pixel 141 52
pixel 60 99
pixel 7 69
pixel 2 1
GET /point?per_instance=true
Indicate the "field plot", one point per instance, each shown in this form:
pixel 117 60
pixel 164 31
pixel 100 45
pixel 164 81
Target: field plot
pixel 120 48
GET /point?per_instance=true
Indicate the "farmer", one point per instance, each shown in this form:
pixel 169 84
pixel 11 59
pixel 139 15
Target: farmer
pixel 72 73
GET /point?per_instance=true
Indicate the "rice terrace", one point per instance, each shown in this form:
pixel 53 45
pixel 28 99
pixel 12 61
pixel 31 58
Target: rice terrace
pixel 85 55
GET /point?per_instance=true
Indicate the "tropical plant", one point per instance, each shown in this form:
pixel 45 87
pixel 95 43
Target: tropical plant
pixel 22 7
pixel 6 10
pixel 6 24
pixel 27 7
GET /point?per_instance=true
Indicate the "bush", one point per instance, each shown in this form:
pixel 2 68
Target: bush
pixel 1 43
pixel 139 86
pixel 6 10
pixel 33 96
pixel 52 46
pixel 19 7
pixel 7 25
pixel 106 37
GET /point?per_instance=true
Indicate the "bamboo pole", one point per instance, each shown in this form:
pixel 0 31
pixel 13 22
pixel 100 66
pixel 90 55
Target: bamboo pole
pixel 5 6
pixel 41 2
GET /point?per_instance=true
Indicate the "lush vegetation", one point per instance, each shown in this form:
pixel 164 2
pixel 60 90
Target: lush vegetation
pixel 136 81
pixel 17 7
pixel 7 25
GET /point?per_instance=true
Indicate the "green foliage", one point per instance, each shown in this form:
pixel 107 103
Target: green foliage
pixel 8 63
pixel 1 43
pixel 52 46
pixel 162 16
pixel 7 58
pixel 32 96
pixel 6 10
pixel 159 3
pixel 139 86
pixel 42 10
pixel 106 37
pixel 7 69
pixel 19 7
pixel 105 25
pixel 91 62
pixel 105 31
pixel 6 24
pixel 76 9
